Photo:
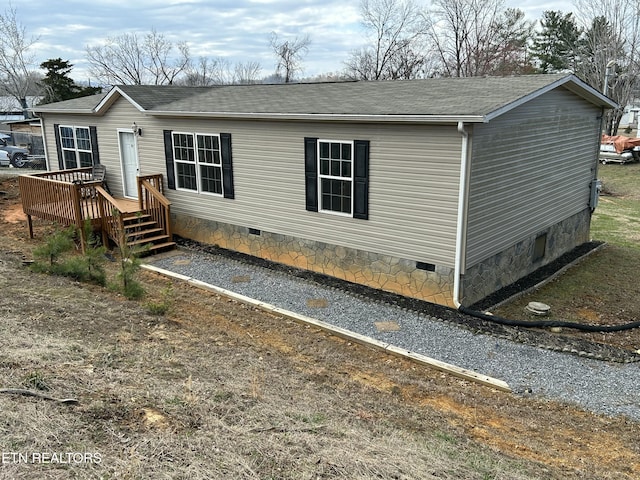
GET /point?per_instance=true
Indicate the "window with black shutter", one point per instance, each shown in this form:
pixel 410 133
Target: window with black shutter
pixel 199 162
pixel 337 177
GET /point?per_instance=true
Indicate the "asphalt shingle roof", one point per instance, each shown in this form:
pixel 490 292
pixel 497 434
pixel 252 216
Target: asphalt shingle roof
pixel 150 97
pixel 435 97
pixel 441 96
pixel 82 103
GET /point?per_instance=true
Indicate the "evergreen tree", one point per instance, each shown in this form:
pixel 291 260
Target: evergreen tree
pixel 556 45
pixel 58 85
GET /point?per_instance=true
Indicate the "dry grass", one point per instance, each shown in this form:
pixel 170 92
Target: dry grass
pixel 160 398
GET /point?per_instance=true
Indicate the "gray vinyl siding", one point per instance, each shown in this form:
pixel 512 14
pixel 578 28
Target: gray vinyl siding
pixel 120 116
pixel 412 171
pixel 413 179
pixel 531 168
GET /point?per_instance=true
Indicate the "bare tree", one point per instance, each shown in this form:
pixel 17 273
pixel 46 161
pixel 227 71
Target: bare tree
pixel 218 71
pixel 289 54
pixel 611 50
pixel 247 72
pixel 397 35
pixel 18 76
pixel 206 72
pixel 118 61
pixel 127 59
pixel 162 67
pixel 478 37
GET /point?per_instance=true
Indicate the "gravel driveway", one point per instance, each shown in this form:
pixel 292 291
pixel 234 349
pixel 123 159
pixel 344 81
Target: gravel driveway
pixel 602 387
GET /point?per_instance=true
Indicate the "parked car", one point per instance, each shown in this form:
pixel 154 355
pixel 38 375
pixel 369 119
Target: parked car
pixel 17 155
pixel 4 159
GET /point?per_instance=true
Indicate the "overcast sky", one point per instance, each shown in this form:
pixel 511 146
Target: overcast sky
pixel 236 29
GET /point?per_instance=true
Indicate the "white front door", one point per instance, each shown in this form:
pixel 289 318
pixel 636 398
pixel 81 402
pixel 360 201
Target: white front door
pixel 129 162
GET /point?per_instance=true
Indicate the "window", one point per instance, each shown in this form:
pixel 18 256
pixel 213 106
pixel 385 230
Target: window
pixel 199 162
pixel 337 176
pixel 75 147
pixel 210 163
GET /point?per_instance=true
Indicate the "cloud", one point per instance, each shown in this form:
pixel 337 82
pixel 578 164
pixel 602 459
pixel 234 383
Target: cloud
pixel 237 30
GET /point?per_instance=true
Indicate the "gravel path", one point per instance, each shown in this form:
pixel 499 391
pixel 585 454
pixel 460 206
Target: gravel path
pixel 602 387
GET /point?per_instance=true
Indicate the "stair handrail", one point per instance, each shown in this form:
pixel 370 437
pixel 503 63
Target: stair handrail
pixel 110 215
pixel 155 204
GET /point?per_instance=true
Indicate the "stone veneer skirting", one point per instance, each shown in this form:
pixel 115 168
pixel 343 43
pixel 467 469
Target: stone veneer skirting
pixel 516 262
pixel 367 268
pixel 389 273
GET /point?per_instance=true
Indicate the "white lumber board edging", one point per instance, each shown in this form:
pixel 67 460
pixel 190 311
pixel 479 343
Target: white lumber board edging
pixel 342 332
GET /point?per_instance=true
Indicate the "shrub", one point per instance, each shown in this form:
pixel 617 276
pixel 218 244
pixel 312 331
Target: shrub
pixel 129 266
pixel 162 306
pixel 56 245
pixel 58 257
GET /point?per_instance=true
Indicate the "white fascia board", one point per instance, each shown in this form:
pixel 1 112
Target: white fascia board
pixel 76 111
pixel 108 99
pixel 572 83
pixel 327 117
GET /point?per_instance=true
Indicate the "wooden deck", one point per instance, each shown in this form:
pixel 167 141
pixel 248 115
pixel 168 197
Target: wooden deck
pixel 126 205
pixel 71 197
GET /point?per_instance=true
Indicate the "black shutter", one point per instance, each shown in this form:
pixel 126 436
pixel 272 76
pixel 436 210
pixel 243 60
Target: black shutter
pixel 227 165
pixel 361 180
pixel 56 133
pixel 95 154
pixel 311 173
pixel 168 157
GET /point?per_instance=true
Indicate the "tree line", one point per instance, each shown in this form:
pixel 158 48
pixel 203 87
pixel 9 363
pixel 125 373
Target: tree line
pixel 404 39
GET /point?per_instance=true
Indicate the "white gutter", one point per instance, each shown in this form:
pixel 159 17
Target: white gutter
pixel 462 213
pixel 387 118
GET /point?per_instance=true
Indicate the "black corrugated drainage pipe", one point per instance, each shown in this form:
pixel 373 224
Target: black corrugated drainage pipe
pixel 548 323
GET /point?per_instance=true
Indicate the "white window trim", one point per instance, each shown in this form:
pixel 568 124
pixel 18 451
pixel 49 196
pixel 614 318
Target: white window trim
pixel 331 177
pixel 75 150
pixel 197 163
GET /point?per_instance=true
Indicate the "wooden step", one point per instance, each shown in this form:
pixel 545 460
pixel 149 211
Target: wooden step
pixel 143 233
pixel 160 247
pixel 135 218
pixel 155 248
pixel 146 240
pixel 130 226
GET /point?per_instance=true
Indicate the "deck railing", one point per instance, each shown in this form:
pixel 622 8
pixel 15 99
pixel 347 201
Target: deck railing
pixel 111 221
pixel 153 202
pixel 65 197
pixel 70 197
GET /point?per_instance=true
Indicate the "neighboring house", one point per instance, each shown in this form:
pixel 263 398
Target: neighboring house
pixel 25 133
pixel 630 118
pixel 440 189
pixel 11 109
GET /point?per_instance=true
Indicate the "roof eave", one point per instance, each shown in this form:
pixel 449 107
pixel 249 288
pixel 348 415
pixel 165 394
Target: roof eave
pixel 108 100
pixel 326 117
pixel 75 111
pixel 571 83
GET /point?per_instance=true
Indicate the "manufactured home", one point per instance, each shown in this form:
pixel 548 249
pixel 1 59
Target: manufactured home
pixel 441 189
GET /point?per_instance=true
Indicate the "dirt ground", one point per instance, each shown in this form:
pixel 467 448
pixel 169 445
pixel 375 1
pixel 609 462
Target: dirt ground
pixel 216 389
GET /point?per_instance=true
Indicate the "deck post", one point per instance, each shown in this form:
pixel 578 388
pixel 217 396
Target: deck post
pixel 103 221
pixel 139 186
pixel 75 193
pixel 30 225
